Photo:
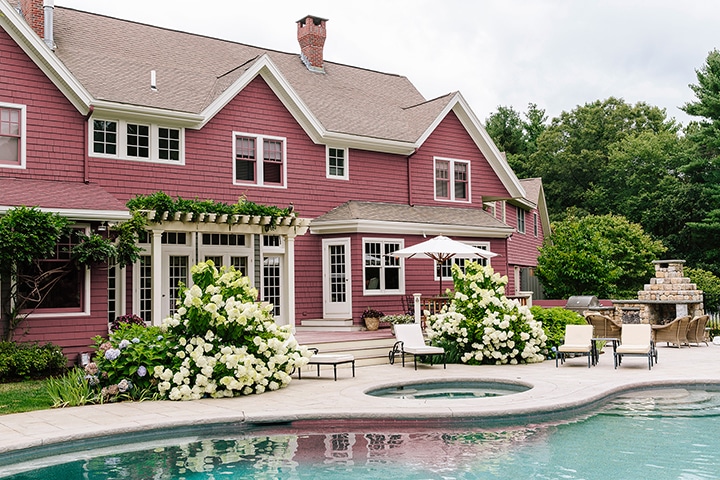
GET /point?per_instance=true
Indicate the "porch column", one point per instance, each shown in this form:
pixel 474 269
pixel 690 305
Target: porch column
pixel 290 280
pixel 157 296
pixel 121 291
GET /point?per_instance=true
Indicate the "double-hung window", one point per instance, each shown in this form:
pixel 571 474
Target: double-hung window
pixel 445 269
pixel 136 141
pixel 383 273
pixel 259 160
pixel 520 220
pixel 452 180
pixel 337 166
pixel 55 284
pixel 12 135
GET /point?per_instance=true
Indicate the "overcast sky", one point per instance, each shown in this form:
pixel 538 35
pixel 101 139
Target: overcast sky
pixel 557 54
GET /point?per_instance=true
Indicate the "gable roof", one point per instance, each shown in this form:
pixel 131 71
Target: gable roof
pixel 536 194
pixel 107 62
pixel 376 217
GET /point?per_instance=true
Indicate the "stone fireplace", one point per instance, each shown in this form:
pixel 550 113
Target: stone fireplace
pixel 668 295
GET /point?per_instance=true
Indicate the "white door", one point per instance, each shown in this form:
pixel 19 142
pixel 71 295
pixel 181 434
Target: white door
pixel 176 270
pixel 337 285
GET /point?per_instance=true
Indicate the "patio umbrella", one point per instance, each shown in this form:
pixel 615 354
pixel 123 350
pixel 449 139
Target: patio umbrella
pixel 442 248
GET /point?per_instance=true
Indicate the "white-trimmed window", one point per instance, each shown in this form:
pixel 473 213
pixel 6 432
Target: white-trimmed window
pixel 445 269
pixel 136 141
pixel 12 135
pixel 382 272
pixel 259 160
pixel 452 180
pixel 520 220
pixel 337 163
pixel 535 224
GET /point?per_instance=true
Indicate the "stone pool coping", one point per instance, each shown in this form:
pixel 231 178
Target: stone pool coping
pixel 571 387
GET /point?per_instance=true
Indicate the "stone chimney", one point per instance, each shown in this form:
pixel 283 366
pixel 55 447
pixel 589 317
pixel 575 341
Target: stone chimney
pixel 311 35
pixel 39 15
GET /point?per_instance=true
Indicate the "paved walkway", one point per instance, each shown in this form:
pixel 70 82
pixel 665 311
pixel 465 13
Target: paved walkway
pixel 571 386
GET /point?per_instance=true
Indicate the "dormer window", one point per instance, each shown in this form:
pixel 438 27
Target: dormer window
pixel 136 141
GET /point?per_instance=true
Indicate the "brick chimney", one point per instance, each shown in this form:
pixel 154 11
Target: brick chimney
pixel 39 15
pixel 311 35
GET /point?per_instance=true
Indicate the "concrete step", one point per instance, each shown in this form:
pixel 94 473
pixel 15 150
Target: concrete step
pixel 328 325
pixel 367 351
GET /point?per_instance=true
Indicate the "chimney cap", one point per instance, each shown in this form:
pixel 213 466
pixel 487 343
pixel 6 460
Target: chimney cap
pixel 316 20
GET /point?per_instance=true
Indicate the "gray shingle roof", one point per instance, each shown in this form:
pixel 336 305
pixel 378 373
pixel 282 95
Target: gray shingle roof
pixel 391 212
pixel 113 58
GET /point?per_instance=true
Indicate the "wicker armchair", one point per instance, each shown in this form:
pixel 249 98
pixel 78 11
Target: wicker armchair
pixel 696 330
pixel 674 332
pixel 603 326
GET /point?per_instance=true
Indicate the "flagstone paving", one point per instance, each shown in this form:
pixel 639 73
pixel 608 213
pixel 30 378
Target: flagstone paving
pixel 568 387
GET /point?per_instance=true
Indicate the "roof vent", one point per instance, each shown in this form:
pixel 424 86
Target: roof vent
pixel 311 35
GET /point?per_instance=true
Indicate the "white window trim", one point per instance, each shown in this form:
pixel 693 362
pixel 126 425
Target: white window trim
pixel 259 160
pixel 485 245
pixel 122 142
pixel 401 274
pixel 346 168
pixel 520 213
pixel 451 178
pixel 535 224
pixel 87 293
pixel 23 135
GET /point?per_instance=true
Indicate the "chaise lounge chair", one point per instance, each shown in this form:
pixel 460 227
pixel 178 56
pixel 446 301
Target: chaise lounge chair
pixel 696 330
pixel 636 340
pixel 578 341
pixel 410 340
pixel 674 332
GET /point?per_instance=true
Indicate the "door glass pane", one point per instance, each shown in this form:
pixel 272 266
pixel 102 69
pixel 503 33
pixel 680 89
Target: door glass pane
pixel 178 266
pixel 271 282
pixel 338 285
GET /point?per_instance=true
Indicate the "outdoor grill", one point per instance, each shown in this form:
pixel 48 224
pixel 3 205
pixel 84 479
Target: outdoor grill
pixel 580 303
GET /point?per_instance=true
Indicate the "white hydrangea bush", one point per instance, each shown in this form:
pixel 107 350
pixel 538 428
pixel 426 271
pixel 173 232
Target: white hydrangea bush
pixel 228 344
pixel 483 326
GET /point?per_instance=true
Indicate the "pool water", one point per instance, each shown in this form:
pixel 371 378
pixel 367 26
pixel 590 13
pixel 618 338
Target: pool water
pixel 449 390
pixel 659 434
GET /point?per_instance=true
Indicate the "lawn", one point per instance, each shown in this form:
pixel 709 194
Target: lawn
pixel 24 396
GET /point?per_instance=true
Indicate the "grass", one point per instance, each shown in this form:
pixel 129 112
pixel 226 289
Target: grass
pixel 24 396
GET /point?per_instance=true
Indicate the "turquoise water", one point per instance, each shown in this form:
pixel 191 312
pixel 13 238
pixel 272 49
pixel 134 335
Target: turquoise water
pixel 658 434
pixel 445 390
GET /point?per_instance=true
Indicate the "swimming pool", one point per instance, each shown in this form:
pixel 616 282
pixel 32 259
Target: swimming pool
pixel 659 433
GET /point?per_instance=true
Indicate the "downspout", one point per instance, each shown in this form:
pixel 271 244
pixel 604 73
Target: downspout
pixel 86 149
pixel 409 178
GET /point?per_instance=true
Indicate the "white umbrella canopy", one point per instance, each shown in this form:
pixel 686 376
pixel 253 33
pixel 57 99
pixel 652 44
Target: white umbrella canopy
pixel 442 248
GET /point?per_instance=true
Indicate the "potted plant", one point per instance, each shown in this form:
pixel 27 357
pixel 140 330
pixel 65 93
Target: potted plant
pixel 371 317
pixel 397 320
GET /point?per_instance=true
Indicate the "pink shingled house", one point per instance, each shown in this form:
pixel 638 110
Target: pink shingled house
pixel 96 110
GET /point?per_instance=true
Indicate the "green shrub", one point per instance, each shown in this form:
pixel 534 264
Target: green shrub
pixel 72 390
pixel 709 284
pixel 23 361
pixel 554 321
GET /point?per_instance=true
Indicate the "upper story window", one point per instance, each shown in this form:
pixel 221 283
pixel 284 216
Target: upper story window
pixel 383 273
pixel 337 166
pixel 136 141
pixel 12 135
pixel 452 180
pixel 520 220
pixel 445 269
pixel 535 224
pixel 259 160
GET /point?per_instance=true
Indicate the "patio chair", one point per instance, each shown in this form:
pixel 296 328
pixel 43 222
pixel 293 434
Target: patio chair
pixel 674 332
pixel 333 359
pixel 410 340
pixel 636 340
pixel 578 341
pixel 603 326
pixel 696 330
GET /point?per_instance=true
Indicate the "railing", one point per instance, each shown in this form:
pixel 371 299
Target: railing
pixel 435 304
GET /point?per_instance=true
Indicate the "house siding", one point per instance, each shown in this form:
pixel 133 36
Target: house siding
pixel 54 127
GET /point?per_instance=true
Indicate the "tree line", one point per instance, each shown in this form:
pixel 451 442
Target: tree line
pixel 630 163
